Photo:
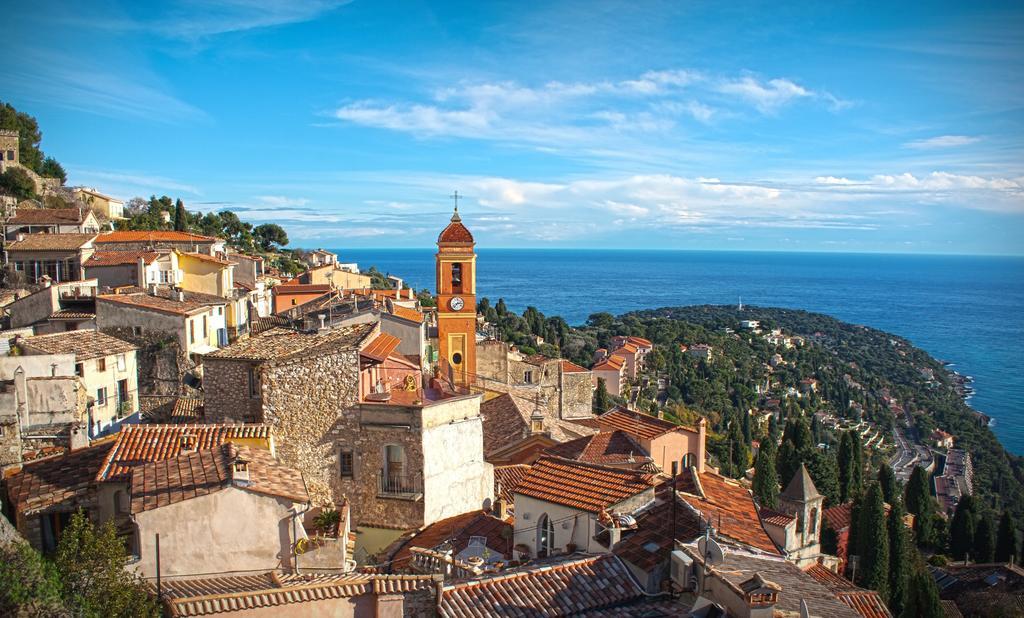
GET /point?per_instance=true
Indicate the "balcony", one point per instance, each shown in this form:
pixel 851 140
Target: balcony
pixel 403 486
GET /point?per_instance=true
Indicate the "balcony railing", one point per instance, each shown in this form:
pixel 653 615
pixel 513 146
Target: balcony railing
pixel 405 485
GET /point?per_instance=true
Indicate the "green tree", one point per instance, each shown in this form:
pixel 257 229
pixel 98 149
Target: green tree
pixel 91 567
pixel 180 216
pixel 739 453
pixel 601 400
pixel 845 464
pixel 899 557
pixel 17 182
pixel 922 599
pixel 961 529
pixel 822 467
pixel 984 539
pixel 766 478
pixel 501 307
pixel 874 542
pixel 797 446
pixel 270 236
pixel 887 479
pixel 1006 539
pixel 52 169
pixel 920 503
pixel 28 582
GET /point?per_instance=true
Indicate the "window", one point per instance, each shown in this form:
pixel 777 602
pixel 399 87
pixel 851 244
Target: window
pixel 254 383
pixel 545 536
pixel 191 331
pixel 206 332
pixel 165 276
pixel 293 301
pixel 346 464
pixel 137 331
pixel 121 363
pixel 80 369
pixel 528 377
pixel 101 364
pixel 689 461
pixel 10 155
pixel 814 522
pixel 121 502
pixel 220 310
pixel 101 396
pixel 394 467
pixel 123 397
pixel 457 277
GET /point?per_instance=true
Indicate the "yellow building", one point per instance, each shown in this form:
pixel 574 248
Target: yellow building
pixel 109 207
pixel 206 274
pixel 329 274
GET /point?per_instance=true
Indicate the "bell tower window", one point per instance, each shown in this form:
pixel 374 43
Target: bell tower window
pixel 457 278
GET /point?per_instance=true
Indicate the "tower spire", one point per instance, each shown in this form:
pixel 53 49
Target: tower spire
pixel 455 196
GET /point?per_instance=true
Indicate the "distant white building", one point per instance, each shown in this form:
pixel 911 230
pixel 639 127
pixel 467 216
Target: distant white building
pixel 750 324
pixel 701 350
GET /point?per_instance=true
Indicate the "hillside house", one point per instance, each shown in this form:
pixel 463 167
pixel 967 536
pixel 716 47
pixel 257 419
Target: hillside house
pixel 108 207
pixel 152 240
pixel 57 256
pixel 664 441
pixel 56 307
pixel 195 321
pixel 114 269
pixel 29 221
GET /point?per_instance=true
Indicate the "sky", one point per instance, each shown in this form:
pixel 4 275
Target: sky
pixel 838 126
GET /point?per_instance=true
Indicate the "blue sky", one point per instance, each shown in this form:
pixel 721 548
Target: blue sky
pixel 840 126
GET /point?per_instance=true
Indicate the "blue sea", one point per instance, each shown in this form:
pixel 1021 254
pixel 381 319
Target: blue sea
pixel 966 310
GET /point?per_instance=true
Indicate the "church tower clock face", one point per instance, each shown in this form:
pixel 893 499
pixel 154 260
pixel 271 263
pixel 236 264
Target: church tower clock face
pixel 456 303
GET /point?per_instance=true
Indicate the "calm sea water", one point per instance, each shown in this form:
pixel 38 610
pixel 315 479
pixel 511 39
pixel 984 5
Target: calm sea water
pixel 962 309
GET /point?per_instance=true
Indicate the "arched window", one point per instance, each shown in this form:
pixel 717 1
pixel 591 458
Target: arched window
pixel 456 277
pixel 814 521
pixel 545 535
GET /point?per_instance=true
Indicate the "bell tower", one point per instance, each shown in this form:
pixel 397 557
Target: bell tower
pixel 456 301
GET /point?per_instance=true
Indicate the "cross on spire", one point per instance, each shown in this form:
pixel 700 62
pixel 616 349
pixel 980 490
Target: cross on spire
pixel 455 196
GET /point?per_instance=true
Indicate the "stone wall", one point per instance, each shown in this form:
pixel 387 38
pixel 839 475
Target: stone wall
pixel 576 395
pixel 226 389
pixel 161 362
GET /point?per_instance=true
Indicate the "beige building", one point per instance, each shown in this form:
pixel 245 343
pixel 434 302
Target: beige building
pixel 107 368
pixel 56 307
pixel 51 221
pixel 57 256
pixel 108 207
pixel 666 442
pixel 195 321
pixel 217 510
pixel 613 371
pixel 113 269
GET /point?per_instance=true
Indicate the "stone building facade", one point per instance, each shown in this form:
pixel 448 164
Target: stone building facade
pixel 564 388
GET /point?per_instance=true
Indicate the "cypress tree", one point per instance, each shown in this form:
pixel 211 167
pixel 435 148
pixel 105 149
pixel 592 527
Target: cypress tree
pixel 874 541
pixel 601 400
pixel 899 548
pixel 984 539
pixel 919 502
pixel 887 479
pixel 739 453
pixel 180 222
pixel 766 479
pixel 922 594
pixel 961 529
pixel 1006 539
pixel 822 467
pixel 854 544
pixel 858 463
pixel 844 460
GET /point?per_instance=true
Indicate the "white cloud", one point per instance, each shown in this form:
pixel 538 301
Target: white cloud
pixel 126 185
pixel 832 180
pixel 942 141
pixel 282 200
pixel 767 96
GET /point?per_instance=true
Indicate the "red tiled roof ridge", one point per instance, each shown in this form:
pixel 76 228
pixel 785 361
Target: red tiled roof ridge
pixel 533 569
pixel 116 258
pixel 158 235
pixel 571 367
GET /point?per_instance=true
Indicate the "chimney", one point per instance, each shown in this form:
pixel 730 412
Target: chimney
pixel 240 472
pixel 187 442
pixel 614 534
pixel 181 296
pixel 702 432
pixel 499 508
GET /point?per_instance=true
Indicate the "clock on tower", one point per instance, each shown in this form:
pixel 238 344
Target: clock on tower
pixel 456 302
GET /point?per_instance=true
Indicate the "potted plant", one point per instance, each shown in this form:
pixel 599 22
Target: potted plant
pixel 327 521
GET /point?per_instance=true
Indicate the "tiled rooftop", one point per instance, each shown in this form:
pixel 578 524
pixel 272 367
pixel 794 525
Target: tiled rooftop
pixel 49 216
pixel 455 233
pixel 407 314
pixel 172 409
pixel 202 257
pixel 117 258
pixel 381 347
pixel 202 472
pixel 607 447
pixel 281 343
pixel 739 567
pixel 218 595
pixel 570 367
pixel 653 540
pixel 153 236
pixel 84 344
pixel 563 588
pixel 193 302
pixel 867 603
pixel 140 444
pixel 49 482
pixel 782 520
pixel 839 516
pixel 506 419
pixel 507 478
pixel 728 506
pixel 51 242
pixel 586 487
pixel 457 531
pixel 612 363
pixel 637 424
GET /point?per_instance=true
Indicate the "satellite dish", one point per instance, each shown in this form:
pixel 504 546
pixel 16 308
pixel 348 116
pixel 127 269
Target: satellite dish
pixel 711 551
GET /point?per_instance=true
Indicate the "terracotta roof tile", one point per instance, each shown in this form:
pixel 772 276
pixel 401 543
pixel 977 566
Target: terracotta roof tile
pixel 49 216
pixel 506 419
pixel 728 506
pixel 507 478
pixel 563 588
pixel 640 341
pixel 84 344
pixel 50 482
pixel 153 236
pixel 839 516
pixel 407 314
pixel 586 487
pixel 638 424
pixel 117 258
pixel 71 314
pixel 769 516
pixel 163 303
pixel 202 257
pixel 653 540
pixel 173 409
pixel 381 347
pixel 282 344
pixel 141 444
pixel 867 603
pixel 51 242
pixel 612 363
pixel 456 233
pixel 606 447
pixel 570 367
pixel 202 472
pixel 301 288
pixel 457 531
